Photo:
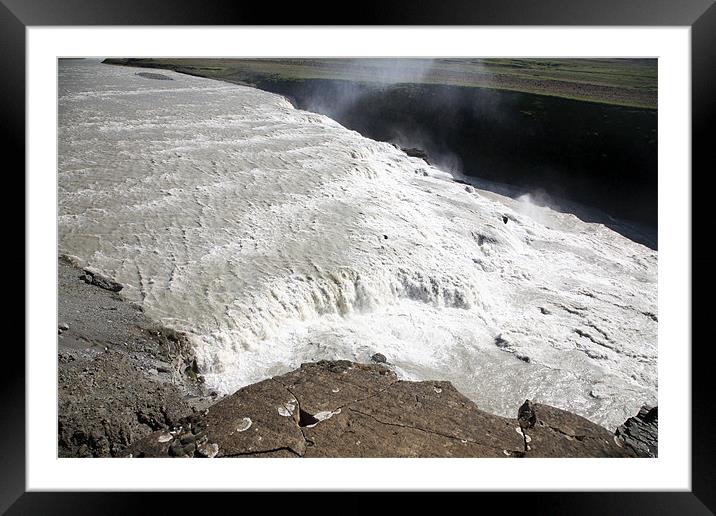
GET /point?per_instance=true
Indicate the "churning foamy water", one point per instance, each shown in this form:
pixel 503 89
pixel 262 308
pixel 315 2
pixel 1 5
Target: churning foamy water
pixel 275 236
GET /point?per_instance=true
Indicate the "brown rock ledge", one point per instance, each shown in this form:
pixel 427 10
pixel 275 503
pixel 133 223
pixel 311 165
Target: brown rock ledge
pixel 346 409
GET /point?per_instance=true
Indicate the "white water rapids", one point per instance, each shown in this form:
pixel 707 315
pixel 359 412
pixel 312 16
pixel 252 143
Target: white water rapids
pixel 275 236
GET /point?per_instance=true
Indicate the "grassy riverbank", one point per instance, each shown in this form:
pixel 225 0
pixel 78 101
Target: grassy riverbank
pixel 623 82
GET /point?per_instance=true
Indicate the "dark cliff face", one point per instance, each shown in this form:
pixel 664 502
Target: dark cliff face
pixel 600 155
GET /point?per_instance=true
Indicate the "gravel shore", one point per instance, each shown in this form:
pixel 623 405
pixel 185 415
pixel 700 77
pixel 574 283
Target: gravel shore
pixel 120 376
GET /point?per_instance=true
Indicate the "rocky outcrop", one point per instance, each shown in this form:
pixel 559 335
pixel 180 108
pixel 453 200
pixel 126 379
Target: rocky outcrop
pixel 641 432
pixel 416 153
pixel 94 277
pixel 558 433
pixel 346 409
pixel 157 76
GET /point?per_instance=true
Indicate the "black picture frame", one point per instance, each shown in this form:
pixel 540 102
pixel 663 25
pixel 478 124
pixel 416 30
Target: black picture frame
pixel 700 15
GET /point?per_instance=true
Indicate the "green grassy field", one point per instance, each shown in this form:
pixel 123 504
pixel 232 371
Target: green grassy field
pixel 625 82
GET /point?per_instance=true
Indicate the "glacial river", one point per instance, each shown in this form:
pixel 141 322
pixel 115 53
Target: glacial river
pixel 275 236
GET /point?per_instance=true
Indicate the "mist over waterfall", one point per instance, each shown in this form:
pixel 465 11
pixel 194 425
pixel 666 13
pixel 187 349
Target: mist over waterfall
pixel 275 236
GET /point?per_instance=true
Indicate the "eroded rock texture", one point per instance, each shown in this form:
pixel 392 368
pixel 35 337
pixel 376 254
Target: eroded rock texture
pixel 641 432
pixel 345 409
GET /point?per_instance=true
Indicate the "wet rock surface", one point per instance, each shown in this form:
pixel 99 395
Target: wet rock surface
pixel 346 409
pixel 526 415
pixel 157 76
pixel 416 153
pixel 379 358
pixel 94 277
pixel 641 432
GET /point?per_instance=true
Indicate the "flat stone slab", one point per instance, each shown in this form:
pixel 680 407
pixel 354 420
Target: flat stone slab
pixel 414 419
pixel 345 409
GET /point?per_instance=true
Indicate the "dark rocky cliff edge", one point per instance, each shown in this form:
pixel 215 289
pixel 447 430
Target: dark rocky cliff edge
pixel 129 388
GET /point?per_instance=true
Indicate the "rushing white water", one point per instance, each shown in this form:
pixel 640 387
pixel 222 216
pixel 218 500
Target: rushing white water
pixel 276 236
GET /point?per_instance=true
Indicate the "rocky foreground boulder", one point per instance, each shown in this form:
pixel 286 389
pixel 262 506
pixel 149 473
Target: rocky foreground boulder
pixel 641 431
pixel 346 409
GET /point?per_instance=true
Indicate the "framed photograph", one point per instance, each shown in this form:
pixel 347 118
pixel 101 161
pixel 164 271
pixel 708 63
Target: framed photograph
pixel 447 248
